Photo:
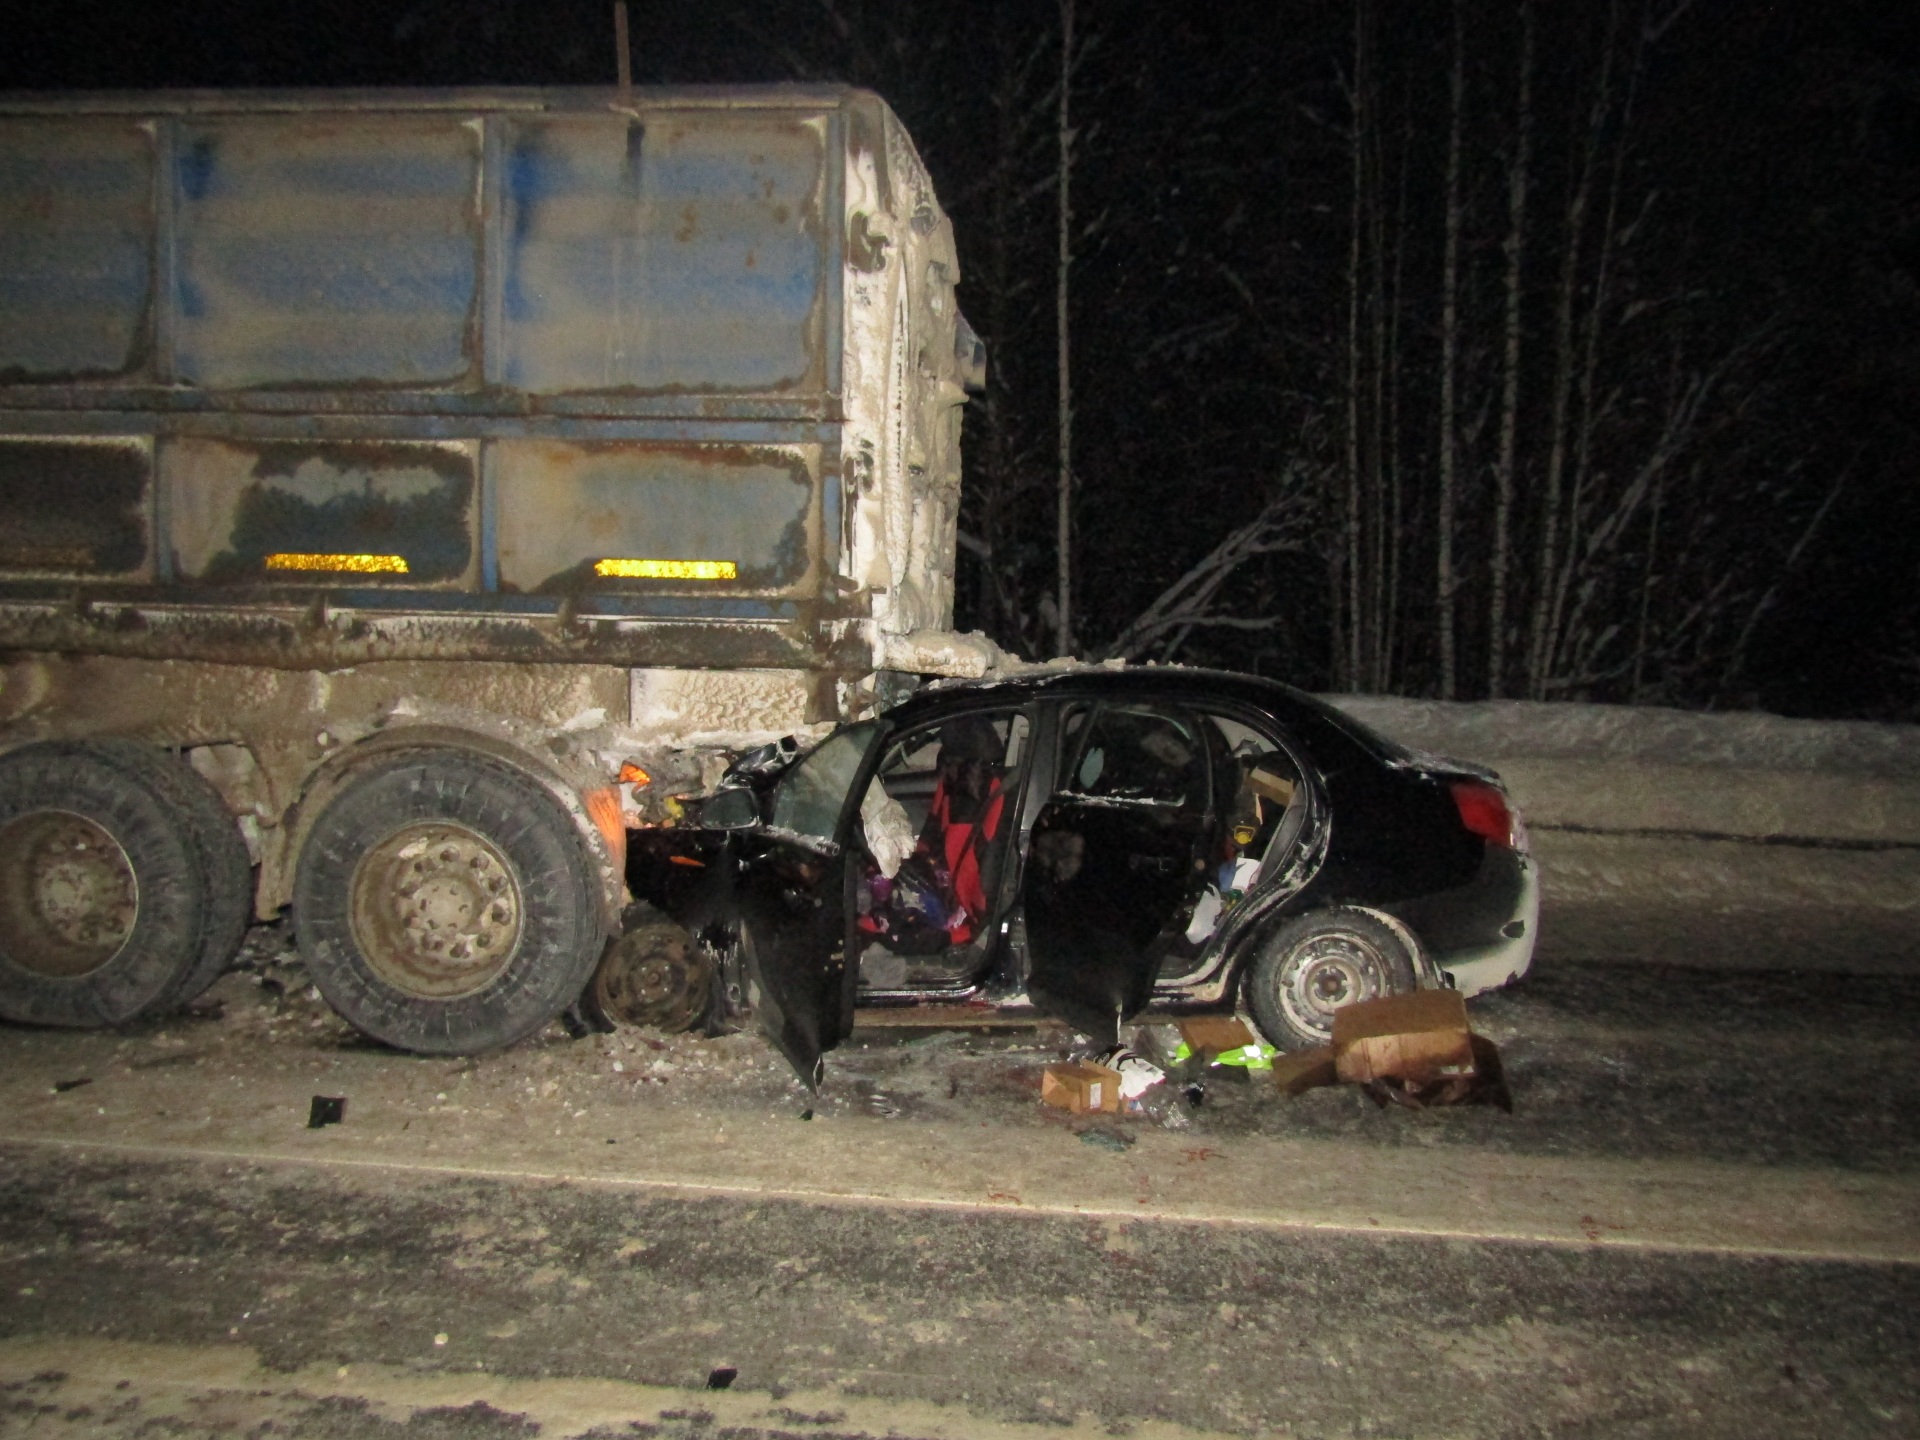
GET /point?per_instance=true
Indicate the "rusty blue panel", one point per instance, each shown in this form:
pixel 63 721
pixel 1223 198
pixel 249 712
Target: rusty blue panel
pixel 683 253
pixel 299 513
pixel 326 250
pixel 76 227
pixel 74 506
pixel 562 509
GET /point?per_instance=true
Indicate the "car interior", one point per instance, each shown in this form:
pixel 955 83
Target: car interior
pixel 925 927
pixel 1160 821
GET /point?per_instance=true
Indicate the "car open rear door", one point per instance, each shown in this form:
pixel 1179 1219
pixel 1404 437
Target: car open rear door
pixel 793 901
pixel 1117 856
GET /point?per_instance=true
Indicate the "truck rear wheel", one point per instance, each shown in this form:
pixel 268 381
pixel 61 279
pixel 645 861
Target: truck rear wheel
pixel 445 904
pixel 103 896
pixel 228 870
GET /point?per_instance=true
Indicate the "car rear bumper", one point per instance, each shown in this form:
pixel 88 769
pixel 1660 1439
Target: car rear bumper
pixel 1482 935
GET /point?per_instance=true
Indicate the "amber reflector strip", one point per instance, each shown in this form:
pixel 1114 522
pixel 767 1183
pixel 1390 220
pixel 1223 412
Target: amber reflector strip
pixel 353 564
pixel 667 570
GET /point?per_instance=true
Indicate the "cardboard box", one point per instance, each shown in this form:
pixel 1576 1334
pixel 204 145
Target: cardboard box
pixel 1081 1088
pixel 1301 1070
pixel 1215 1033
pixel 1269 786
pixel 1417 1039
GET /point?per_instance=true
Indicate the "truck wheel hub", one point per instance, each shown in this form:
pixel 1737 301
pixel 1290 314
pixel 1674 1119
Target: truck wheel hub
pixel 436 910
pixel 68 897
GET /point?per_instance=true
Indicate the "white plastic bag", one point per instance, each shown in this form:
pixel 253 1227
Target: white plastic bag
pixel 890 837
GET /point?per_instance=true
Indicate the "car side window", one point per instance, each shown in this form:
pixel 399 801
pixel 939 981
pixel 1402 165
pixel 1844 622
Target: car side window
pixel 915 764
pixel 1260 786
pixel 936 821
pixel 810 798
pixel 1135 756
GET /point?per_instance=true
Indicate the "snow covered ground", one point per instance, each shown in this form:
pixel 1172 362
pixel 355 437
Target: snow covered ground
pixel 1777 843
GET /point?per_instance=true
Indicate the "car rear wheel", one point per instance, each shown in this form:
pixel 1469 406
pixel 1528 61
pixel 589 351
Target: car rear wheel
pixel 445 904
pixel 103 896
pixel 1316 963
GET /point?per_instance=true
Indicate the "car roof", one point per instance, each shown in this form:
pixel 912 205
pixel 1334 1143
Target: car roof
pixel 1173 683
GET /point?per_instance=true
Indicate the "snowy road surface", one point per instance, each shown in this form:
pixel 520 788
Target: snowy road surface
pixel 1703 1218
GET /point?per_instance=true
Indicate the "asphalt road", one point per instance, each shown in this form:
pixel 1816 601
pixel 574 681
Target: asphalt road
pixel 1702 1218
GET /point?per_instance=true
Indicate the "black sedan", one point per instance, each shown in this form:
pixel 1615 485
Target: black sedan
pixel 1089 843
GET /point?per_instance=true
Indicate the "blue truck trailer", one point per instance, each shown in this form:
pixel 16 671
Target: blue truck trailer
pixel 405 494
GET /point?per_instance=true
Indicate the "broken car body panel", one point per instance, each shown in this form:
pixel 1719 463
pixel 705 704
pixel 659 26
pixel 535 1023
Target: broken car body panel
pixel 1126 840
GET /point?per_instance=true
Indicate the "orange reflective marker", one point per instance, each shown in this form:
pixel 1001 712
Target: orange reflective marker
pixel 345 564
pixel 619 569
pixel 603 807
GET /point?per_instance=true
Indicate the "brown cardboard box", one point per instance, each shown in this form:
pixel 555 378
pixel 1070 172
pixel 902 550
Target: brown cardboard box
pixel 1417 1038
pixel 1300 1070
pixel 1081 1088
pixel 1215 1033
pixel 1269 786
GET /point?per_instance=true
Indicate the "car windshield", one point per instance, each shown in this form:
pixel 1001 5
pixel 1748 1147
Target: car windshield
pixel 812 795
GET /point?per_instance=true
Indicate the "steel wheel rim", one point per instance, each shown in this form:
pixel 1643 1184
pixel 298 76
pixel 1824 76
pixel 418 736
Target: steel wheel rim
pixel 643 979
pixel 436 910
pixel 69 898
pixel 1325 972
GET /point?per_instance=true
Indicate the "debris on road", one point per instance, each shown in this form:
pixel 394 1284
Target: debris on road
pixel 1301 1070
pixel 1417 1039
pixel 1082 1087
pixel 1416 1050
pixel 61 1087
pixel 1209 1040
pixel 1137 1073
pixel 326 1110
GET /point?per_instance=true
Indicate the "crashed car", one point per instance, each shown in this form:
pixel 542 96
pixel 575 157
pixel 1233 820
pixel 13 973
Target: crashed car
pixel 1088 844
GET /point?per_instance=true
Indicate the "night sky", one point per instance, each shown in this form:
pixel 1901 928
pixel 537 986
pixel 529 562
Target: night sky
pixel 1294 297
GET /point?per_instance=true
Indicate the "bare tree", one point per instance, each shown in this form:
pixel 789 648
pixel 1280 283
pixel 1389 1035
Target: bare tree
pixel 1565 349
pixel 1347 622
pixel 1063 632
pixel 1450 360
pixel 1009 502
pixel 1518 178
pixel 1283 525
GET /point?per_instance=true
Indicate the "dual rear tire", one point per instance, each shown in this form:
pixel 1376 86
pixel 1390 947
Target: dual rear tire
pixel 444 902
pixel 124 885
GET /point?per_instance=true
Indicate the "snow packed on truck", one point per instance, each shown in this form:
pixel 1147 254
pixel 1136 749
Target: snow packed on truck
pixel 408 494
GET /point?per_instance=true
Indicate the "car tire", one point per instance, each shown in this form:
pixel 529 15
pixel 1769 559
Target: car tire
pixel 445 904
pixel 1317 962
pixel 103 894
pixel 654 974
pixel 226 867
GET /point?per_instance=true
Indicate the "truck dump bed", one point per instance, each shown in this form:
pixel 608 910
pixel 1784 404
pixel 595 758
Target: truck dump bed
pixel 314 379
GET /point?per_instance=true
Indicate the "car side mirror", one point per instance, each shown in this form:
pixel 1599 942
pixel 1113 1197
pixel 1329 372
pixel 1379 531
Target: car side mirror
pixel 731 810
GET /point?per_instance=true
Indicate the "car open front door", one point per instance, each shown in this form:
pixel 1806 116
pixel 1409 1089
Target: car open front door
pixel 793 907
pixel 1118 855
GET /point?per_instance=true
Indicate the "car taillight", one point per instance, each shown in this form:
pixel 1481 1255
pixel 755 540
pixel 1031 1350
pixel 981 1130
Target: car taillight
pixel 1483 810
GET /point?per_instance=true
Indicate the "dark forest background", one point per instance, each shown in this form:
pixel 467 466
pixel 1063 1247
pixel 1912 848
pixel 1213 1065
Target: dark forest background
pixel 1498 347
